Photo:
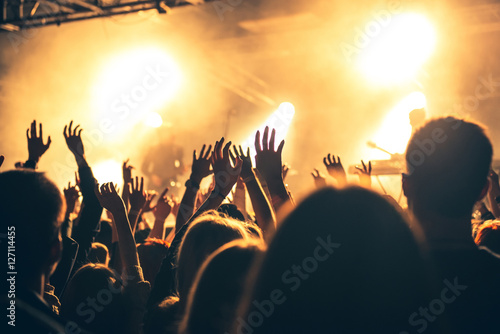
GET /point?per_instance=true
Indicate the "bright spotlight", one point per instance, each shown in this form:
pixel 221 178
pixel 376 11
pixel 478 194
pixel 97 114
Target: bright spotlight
pixel 401 48
pixel 395 131
pixel 279 120
pixel 108 171
pixel 133 84
pixel 153 120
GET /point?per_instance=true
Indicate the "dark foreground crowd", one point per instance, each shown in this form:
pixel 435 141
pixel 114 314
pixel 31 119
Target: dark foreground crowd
pixel 342 260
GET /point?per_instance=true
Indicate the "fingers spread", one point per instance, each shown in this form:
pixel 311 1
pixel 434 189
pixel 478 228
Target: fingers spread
pixel 258 147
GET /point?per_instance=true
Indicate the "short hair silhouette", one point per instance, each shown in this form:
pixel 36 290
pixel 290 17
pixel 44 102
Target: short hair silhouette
pixel 448 160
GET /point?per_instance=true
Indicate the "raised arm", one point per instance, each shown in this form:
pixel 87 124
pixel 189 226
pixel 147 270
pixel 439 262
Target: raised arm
pixel 161 211
pixel 335 169
pixel 91 211
pixel 319 179
pixel 36 147
pixel 137 198
pixel 264 212
pixel 365 174
pixel 226 176
pixel 199 170
pixel 127 179
pixel 109 199
pixel 269 165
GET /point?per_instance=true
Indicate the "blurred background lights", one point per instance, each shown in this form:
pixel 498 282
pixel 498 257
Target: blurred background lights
pixel 108 171
pixel 132 86
pixel 153 120
pixel 399 50
pixel 279 120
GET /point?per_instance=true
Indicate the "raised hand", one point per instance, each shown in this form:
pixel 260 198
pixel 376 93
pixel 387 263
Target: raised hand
pixel 246 169
pixel 127 172
pixel 71 194
pixel 267 160
pixel 365 178
pixel 138 196
pixel 74 141
pixel 284 170
pixel 163 206
pixel 176 203
pixel 150 195
pixel 335 169
pixel 109 198
pixel 319 179
pixel 2 158
pixel 225 174
pixel 36 147
pixel 201 165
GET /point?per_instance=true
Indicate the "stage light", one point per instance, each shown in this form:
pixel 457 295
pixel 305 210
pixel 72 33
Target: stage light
pixel 132 85
pixel 108 171
pixel 279 120
pixel 395 131
pixel 153 120
pixel 397 52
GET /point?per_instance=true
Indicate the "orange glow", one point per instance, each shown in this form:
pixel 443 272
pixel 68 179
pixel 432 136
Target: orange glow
pixel 395 131
pixel 398 52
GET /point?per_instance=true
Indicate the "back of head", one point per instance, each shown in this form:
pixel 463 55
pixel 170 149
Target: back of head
pixel 163 318
pixel 151 254
pixel 92 299
pixel 417 118
pixel 205 234
pixel 99 254
pixel 342 261
pixel 232 211
pixel 33 207
pixel 105 234
pixel 448 160
pixel 218 287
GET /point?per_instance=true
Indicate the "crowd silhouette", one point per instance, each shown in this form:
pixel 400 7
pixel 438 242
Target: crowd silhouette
pixel 344 259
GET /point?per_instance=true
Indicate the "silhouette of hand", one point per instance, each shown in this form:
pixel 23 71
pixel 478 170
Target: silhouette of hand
pixel 284 170
pixel 163 207
pixel 225 174
pixel 335 169
pixel 74 140
pixel 246 169
pixel 201 165
pixel 127 172
pixel 365 178
pixel 138 196
pixel 319 179
pixel 150 195
pixel 109 198
pixel 36 147
pixel 71 194
pixel 267 160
